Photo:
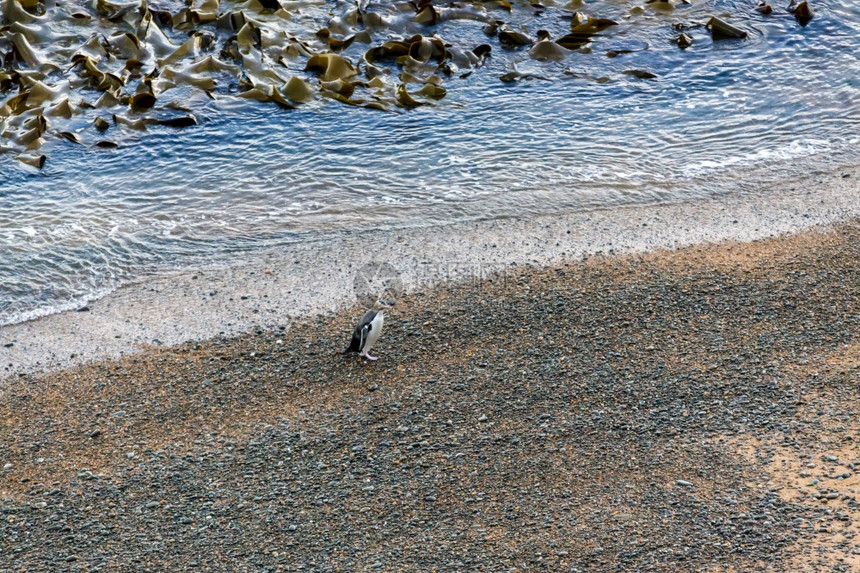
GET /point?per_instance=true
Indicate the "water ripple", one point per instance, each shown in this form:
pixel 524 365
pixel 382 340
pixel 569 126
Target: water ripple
pixel 720 116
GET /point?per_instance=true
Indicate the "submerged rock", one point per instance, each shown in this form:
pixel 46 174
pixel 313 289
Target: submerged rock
pixel 683 40
pixel 803 12
pixel 641 74
pixel 720 29
pixel 764 8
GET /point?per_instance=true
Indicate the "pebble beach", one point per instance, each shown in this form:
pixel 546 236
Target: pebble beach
pixel 675 410
pixel 623 239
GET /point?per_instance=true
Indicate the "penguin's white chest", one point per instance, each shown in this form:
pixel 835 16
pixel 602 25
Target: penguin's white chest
pixel 375 331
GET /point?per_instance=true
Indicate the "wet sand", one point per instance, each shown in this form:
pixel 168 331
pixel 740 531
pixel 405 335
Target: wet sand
pixel 683 410
pixel 276 288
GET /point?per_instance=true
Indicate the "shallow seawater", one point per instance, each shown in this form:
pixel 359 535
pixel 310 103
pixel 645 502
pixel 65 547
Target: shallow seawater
pixel 720 117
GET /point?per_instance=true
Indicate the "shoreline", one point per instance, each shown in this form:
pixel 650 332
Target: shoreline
pixel 275 289
pixel 674 410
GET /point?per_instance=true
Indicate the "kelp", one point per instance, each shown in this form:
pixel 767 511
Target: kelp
pixel 588 25
pixel 432 91
pixel 13 11
pixel 142 101
pixel 266 93
pixel 70 72
pixel 388 50
pixel 548 50
pixel 63 108
pixel 69 136
pixel 512 39
pixel 404 99
pixel 298 90
pixel 178 122
pixel 331 67
pixel 37 161
pixel 582 30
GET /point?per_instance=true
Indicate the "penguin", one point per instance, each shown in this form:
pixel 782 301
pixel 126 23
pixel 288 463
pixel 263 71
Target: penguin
pixel 368 329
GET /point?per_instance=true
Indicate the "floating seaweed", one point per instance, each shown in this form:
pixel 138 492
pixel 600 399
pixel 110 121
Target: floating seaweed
pixel 72 71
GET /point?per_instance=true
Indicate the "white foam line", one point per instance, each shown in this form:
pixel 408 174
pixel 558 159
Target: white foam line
pixel 281 288
pixel 793 150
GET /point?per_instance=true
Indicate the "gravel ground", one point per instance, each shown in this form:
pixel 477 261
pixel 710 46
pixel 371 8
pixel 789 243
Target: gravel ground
pixel 692 410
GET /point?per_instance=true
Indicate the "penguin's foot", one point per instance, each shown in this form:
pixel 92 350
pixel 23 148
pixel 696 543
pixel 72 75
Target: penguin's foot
pixel 369 357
